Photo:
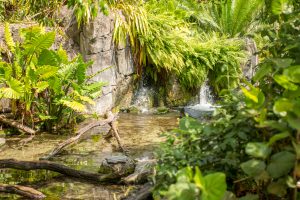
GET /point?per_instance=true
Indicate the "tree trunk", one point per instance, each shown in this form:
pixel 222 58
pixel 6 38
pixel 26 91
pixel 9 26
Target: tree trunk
pixel 22 190
pixel 68 171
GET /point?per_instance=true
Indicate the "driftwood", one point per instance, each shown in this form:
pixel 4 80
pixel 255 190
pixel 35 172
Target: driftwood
pixel 62 169
pixel 115 133
pixel 17 125
pixel 22 190
pixel 141 194
pixel 79 134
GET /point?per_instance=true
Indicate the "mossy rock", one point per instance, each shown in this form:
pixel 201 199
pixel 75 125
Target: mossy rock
pixel 118 165
pixel 162 110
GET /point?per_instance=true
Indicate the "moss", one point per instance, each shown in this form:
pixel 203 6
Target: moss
pixel 162 110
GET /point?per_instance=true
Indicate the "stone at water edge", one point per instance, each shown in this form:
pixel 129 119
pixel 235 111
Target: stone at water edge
pixel 144 168
pixel 119 165
pixel 2 141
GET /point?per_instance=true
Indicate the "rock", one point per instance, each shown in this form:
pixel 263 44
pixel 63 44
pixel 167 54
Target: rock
pixel 162 110
pixel 120 166
pixel 144 168
pixel 2 141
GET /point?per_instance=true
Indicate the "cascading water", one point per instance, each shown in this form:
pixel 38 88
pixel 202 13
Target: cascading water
pixel 143 97
pixel 205 105
pixel 205 95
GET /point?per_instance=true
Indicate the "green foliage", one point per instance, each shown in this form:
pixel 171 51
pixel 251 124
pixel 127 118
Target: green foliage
pixel 164 41
pixel 44 85
pixel 254 137
pixel 192 185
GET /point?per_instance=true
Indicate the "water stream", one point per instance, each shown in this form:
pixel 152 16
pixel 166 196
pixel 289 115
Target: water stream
pixel 140 135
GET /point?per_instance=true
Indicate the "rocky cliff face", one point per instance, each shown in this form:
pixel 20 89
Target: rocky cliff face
pixel 96 43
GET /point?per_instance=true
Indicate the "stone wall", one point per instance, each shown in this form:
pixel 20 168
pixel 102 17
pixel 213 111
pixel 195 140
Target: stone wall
pixel 96 44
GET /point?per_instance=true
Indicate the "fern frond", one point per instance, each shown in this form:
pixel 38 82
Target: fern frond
pixel 46 71
pixel 8 38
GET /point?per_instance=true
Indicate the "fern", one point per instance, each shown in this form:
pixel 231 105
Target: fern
pixel 8 38
pixel 40 43
pixel 46 71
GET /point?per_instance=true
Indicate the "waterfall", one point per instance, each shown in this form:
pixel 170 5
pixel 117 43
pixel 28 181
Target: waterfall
pixel 143 99
pixel 205 95
pixel 205 106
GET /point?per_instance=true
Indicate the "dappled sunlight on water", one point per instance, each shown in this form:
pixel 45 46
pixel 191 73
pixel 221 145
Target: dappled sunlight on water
pixel 140 135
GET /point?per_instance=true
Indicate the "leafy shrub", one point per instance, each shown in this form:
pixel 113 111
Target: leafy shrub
pixel 43 84
pixel 254 137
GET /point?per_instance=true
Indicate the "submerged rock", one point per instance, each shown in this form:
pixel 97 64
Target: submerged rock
pixel 119 165
pixel 144 168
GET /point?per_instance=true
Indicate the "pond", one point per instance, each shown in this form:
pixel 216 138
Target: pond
pixel 140 134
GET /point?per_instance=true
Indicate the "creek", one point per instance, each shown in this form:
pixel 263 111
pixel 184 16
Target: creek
pixel 140 134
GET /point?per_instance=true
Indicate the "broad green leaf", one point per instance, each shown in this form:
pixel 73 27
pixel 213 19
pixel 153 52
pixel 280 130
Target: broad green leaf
pixel 280 6
pixel 46 71
pixel 277 137
pixel 253 167
pixel 278 188
pixel 262 72
pixel 284 82
pixel 258 150
pixel 198 178
pixel 41 86
pixel 14 90
pixel 281 164
pixel 282 62
pixel 215 186
pixel 74 105
pixel 182 190
pixel 293 73
pixel 254 97
pixel 294 121
pixel 48 57
pixel 283 106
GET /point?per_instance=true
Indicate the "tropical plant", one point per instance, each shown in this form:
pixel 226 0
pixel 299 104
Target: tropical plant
pixel 230 17
pixel 43 85
pixel 164 42
pixel 254 137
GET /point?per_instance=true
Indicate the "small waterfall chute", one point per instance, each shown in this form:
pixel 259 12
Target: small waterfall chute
pixel 205 105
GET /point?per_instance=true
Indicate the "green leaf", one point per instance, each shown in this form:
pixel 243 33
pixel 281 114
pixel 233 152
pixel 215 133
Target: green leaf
pixel 277 137
pixel 74 105
pixel 8 38
pixel 41 86
pixel 281 164
pixel 278 188
pixel 40 43
pixel 293 73
pixel 294 121
pixel 284 82
pixel 262 72
pixel 258 150
pixel 254 97
pixel 14 91
pixel 215 186
pixel 46 71
pixel 280 6
pixel 282 107
pixel 48 57
pixel 253 167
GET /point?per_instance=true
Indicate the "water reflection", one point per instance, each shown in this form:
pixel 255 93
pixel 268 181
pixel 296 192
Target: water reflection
pixel 140 134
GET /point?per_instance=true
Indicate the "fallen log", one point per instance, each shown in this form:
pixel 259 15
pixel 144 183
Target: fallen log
pixel 22 191
pixel 115 133
pixel 144 193
pixel 62 169
pixel 17 125
pixel 79 134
